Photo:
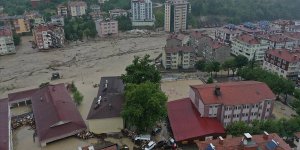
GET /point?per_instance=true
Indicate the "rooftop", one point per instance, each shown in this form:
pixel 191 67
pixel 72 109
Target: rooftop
pixel 176 36
pixel 187 123
pixel 234 93
pixel 249 39
pixel 278 38
pixel 21 95
pixel 111 101
pixel 77 3
pixel 55 113
pixel 179 48
pixel 256 142
pixel 285 54
pixel 4 124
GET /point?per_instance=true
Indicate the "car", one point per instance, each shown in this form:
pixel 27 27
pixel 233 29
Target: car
pixel 150 145
pixel 155 131
pixel 140 138
pixel 161 144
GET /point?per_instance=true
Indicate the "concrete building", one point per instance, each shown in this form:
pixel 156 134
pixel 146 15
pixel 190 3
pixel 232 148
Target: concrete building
pixel 142 13
pixel 263 141
pixel 216 51
pixel 105 113
pixel 107 27
pixel 284 62
pixel 6 41
pixel 233 101
pixel 48 36
pixel 249 46
pixel 114 13
pixel 277 41
pixel 77 8
pixel 176 13
pixel 5 126
pixel 34 17
pixel 198 41
pixel 227 33
pixel 62 10
pixel 58 20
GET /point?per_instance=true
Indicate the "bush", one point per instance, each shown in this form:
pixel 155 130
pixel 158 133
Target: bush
pixel 73 87
pixel 210 80
pixel 77 97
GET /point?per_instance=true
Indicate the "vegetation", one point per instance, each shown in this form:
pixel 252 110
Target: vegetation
pixel 283 127
pixel 77 28
pixel 17 39
pixel 141 70
pixel 111 4
pixel 124 23
pixel 159 16
pixel 210 80
pixel 145 105
pixel 77 96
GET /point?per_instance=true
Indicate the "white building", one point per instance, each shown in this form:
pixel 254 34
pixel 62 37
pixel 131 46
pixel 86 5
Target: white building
pixel 142 14
pixel 114 13
pixel 6 41
pixel 77 8
pixel 59 20
pixel 249 46
pixel 176 12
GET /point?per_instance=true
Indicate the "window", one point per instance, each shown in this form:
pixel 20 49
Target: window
pixel 268 109
pixel 256 105
pixel 268 102
pixel 210 106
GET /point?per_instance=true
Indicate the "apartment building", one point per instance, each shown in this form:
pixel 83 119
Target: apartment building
pixel 142 13
pixel 277 41
pixel 227 33
pixel 180 57
pixel 216 51
pixel 6 41
pixel 95 8
pixel 233 101
pixel 284 62
pixel 176 13
pixel 48 36
pixel 34 17
pixel 62 10
pixel 59 20
pixel 249 46
pixel 107 27
pixel 77 8
pixel 114 13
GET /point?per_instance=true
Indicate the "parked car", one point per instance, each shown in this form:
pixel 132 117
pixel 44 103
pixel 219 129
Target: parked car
pixel 140 138
pixel 155 131
pixel 150 145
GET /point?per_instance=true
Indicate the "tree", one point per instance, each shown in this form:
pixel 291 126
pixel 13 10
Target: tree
pixel 241 61
pixel 141 71
pixel 159 18
pixel 200 65
pixel 232 65
pixel 210 80
pixel 124 23
pixel 77 97
pixel 216 67
pixel 17 39
pixel 209 67
pixel 145 104
pixel 237 128
pixel 226 66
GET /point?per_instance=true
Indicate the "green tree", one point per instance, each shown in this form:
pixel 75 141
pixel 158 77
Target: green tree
pixel 145 105
pixel 226 66
pixel 241 61
pixel 141 70
pixel 209 67
pixel 237 128
pixel 159 18
pixel 232 65
pixel 210 80
pixel 216 67
pixel 200 65
pixel 124 23
pixel 78 98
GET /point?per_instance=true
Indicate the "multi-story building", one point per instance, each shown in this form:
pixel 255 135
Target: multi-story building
pixel 284 62
pixel 77 8
pixel 48 36
pixel 34 17
pixel 227 33
pixel 107 27
pixel 142 13
pixel 114 13
pixel 19 23
pixel 216 51
pixel 249 46
pixel 6 41
pixel 95 8
pixel 59 20
pixel 233 101
pixel 277 41
pixel 176 13
pixel 62 10
pixel 180 57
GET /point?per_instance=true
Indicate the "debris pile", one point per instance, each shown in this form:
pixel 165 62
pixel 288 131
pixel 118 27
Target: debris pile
pixel 27 120
pixel 84 135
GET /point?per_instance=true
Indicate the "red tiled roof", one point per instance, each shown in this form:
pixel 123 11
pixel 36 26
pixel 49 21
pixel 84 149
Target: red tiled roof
pixel 287 55
pixel 4 126
pixel 197 34
pixel 55 113
pixel 235 93
pixel 216 45
pixel 179 48
pixel 21 95
pixel 176 36
pixel 235 143
pixel 5 31
pixel 294 35
pixel 279 38
pixel 186 122
pixel 247 38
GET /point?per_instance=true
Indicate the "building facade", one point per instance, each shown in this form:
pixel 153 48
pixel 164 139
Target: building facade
pixel 77 8
pixel 114 13
pixel 107 27
pixel 47 36
pixel 180 57
pixel 249 46
pixel 216 51
pixel 227 33
pixel 59 20
pixel 176 12
pixel 234 101
pixel 62 10
pixel 284 62
pixel 142 13
pixel 6 41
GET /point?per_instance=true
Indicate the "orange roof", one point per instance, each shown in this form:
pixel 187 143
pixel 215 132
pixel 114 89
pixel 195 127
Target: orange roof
pixel 258 141
pixel 247 38
pixel 235 93
pixel 287 55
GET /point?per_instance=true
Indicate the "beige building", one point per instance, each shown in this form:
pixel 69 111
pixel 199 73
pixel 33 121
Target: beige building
pixel 62 10
pixel 107 27
pixel 21 25
pixel 176 12
pixel 105 112
pixel 6 41
pixel 77 8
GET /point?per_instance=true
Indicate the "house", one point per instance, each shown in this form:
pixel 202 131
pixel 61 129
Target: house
pixel 77 8
pixel 233 101
pixel 6 41
pixel 264 141
pixel 284 62
pixel 107 27
pixel 249 46
pixel 58 20
pixel 5 126
pixel 97 15
pixel 48 36
pixel 114 13
pixel 216 51
pixel 187 124
pixel 277 41
pixel 142 13
pixel 176 14
pixel 34 17
pixel 62 10
pixel 198 41
pixel 105 112
pixel 227 33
